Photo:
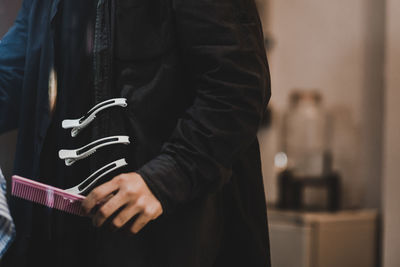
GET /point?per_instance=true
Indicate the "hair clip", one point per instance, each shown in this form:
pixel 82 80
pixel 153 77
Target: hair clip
pixel 71 156
pixel 88 183
pixel 78 124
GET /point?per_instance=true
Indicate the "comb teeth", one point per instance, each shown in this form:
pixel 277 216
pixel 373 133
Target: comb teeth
pixel 47 195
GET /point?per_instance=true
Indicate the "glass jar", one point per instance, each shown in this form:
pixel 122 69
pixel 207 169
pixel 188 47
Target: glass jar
pixel 305 134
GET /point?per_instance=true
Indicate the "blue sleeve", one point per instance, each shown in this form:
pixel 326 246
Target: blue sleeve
pixel 12 64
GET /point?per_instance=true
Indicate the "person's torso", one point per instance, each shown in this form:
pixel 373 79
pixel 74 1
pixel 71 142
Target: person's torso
pixel 148 72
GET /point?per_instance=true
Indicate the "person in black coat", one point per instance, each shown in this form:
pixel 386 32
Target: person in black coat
pixel 195 80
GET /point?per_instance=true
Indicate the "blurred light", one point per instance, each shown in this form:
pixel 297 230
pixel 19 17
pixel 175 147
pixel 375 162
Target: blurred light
pixel 281 160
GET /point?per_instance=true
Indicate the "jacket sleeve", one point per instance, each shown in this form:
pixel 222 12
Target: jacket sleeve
pixel 222 49
pixel 12 63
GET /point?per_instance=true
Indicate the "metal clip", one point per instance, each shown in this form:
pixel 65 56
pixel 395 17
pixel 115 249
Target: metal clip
pixel 78 124
pixel 71 156
pixel 88 183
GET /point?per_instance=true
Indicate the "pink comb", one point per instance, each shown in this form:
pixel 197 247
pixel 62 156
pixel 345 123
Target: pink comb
pixel 47 195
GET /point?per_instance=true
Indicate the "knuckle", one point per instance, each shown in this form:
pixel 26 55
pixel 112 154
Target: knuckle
pixel 123 177
pixel 148 212
pixel 119 179
pixel 141 203
pixel 156 211
pixel 130 190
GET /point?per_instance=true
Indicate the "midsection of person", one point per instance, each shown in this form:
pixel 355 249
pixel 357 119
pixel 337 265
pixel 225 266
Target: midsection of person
pixel 195 78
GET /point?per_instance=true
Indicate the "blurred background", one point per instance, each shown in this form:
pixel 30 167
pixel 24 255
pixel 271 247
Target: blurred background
pixel 329 143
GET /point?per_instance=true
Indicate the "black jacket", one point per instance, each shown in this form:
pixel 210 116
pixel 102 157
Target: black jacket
pixel 197 81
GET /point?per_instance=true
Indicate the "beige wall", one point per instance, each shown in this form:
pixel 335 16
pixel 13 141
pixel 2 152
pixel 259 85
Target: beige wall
pixel 336 46
pixel 391 195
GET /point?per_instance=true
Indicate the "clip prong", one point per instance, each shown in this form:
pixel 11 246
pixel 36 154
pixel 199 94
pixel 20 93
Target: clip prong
pixel 71 156
pixel 88 183
pixel 78 124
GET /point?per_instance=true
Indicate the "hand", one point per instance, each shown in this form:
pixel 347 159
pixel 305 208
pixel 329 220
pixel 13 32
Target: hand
pixel 129 193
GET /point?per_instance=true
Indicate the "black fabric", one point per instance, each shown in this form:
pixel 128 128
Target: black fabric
pixel 197 82
pixel 56 236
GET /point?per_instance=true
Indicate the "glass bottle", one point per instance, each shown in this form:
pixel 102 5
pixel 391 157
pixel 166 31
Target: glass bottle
pixel 305 134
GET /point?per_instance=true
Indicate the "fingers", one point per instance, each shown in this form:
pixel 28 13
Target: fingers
pixel 126 215
pixel 140 223
pixel 99 194
pixel 108 209
pixel 148 214
pixel 133 198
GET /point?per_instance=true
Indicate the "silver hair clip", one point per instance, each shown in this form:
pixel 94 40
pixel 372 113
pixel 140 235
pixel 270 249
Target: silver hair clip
pixel 71 156
pixel 78 124
pixel 88 183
